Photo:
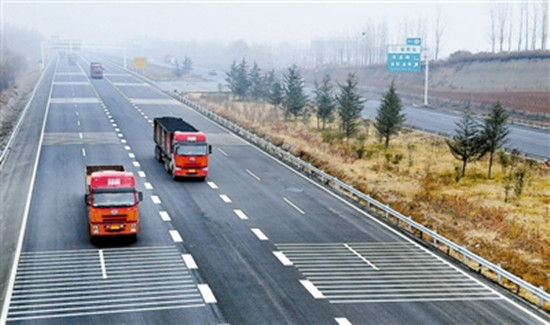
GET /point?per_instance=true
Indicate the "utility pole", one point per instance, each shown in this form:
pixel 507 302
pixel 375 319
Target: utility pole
pixel 427 60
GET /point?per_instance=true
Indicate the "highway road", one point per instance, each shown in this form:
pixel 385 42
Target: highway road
pixel 256 243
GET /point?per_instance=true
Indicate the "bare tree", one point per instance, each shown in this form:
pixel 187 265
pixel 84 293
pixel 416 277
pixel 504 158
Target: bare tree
pixel 520 31
pixel 525 4
pixel 493 34
pixel 502 10
pixel 534 30
pixel 544 28
pixel 440 26
pixel 510 29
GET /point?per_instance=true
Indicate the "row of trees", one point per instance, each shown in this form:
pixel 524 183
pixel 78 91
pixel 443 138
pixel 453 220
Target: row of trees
pixel 472 139
pixel 11 66
pixel 290 97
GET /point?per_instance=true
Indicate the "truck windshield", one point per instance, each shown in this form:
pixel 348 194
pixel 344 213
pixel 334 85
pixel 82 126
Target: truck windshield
pixel 114 199
pixel 191 149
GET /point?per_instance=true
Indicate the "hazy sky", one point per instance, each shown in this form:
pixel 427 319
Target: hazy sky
pixel 260 21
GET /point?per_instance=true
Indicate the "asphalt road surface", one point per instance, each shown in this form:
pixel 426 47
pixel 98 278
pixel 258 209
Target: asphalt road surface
pixel 256 243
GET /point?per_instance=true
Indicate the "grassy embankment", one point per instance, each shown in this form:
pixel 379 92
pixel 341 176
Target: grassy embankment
pixel 417 176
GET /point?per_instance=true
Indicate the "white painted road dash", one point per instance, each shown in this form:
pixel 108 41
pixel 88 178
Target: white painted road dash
pixel 102 262
pixel 156 199
pixel 212 185
pixel 259 234
pixel 240 214
pixel 189 261
pixel 312 289
pixel 342 321
pixel 282 258
pixel 176 237
pixel 225 198
pixel 207 294
pixel 164 216
pixel 293 205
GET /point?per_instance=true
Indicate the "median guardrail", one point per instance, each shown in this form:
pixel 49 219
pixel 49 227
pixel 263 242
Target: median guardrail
pixel 452 249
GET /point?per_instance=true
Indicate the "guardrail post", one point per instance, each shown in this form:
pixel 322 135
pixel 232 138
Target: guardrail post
pixel 464 255
pixel 435 237
pixel 541 298
pixel 410 223
pixel 498 275
pixel 387 208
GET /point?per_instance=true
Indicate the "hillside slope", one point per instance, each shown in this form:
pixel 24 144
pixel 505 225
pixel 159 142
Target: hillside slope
pixel 521 84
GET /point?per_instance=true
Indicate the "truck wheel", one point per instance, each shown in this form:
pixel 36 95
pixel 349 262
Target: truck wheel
pixel 167 166
pixel 158 154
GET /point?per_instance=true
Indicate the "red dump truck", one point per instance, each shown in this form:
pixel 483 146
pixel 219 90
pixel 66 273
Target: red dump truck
pixel 96 70
pixel 71 58
pixel 112 201
pixel 181 147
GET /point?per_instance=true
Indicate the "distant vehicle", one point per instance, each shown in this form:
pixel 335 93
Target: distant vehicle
pixel 72 59
pixel 112 201
pixel 181 147
pixel 96 70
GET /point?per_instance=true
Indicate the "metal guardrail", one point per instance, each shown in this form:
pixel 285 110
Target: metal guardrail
pixel 365 200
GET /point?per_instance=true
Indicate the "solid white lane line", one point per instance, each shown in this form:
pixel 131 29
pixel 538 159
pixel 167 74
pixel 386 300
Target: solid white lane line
pixel 240 214
pixel 361 256
pixel 225 198
pixel 293 205
pixel 212 185
pixel 148 185
pixel 189 261
pixel 102 262
pixel 259 234
pixel 312 289
pixel 164 216
pixel 156 199
pixel 176 237
pixel 253 175
pixel 282 258
pixel 342 321
pixel 207 293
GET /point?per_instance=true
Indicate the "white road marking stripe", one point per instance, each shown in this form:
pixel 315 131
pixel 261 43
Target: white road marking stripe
pixel 164 216
pixel 361 256
pixel 207 294
pixel 148 185
pixel 259 234
pixel 225 198
pixel 78 122
pixel 136 164
pixel 131 155
pixel 176 237
pixel 120 135
pixel 155 199
pixel 141 174
pixel 123 140
pixel 212 185
pixel 240 214
pixel 223 152
pixel 293 205
pixel 117 130
pixel 253 175
pixel 83 152
pixel 282 258
pixel 102 261
pixel 80 135
pixel 189 261
pixel 127 148
pixel 342 321
pixel 312 289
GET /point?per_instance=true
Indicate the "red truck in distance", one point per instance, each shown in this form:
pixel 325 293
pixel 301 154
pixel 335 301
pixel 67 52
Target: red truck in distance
pixel 96 70
pixel 71 59
pixel 182 148
pixel 112 200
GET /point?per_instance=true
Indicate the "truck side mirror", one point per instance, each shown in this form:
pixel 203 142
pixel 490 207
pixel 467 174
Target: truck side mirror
pixel 210 149
pixel 87 199
pixel 140 196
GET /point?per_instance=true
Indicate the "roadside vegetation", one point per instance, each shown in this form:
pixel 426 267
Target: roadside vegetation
pixel 496 204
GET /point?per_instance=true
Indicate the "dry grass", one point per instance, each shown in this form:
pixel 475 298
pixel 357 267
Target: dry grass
pixel 417 177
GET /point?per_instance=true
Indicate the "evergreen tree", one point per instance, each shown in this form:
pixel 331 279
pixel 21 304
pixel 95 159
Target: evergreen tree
pixel 495 131
pixel 276 94
pixel 231 77
pixel 294 98
pixel 324 101
pixel 468 143
pixel 242 80
pixel 268 84
pixel 187 65
pixel 256 82
pixel 389 119
pixel 350 105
